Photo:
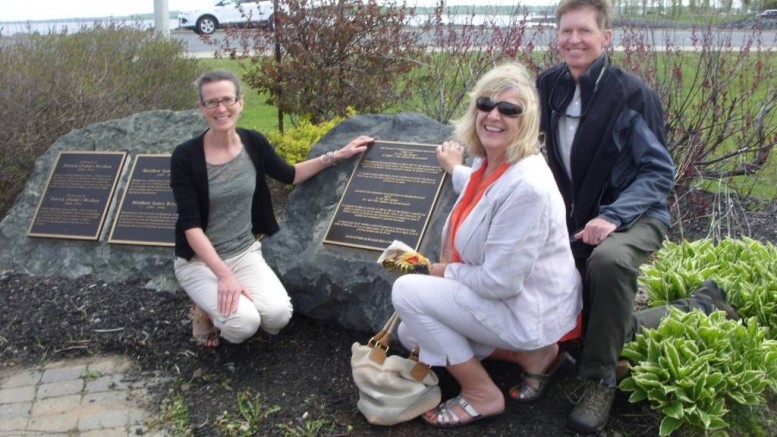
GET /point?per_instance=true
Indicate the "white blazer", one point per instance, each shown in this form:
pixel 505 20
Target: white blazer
pixel 516 257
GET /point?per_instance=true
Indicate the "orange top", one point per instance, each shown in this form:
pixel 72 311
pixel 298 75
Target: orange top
pixel 475 189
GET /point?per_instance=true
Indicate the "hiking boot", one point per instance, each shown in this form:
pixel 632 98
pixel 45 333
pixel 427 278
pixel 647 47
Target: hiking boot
pixel 622 369
pixel 592 410
pixel 710 292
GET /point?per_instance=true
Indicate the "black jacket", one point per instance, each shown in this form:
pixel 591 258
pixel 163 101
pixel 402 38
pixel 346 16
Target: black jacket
pixel 189 181
pixel 621 169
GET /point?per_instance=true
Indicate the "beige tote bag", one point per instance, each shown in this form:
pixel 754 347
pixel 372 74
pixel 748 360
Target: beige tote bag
pixel 392 389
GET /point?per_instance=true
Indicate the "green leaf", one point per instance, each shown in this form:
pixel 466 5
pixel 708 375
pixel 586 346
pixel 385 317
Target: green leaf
pixel 705 417
pixel 674 409
pixel 638 396
pixel 669 425
pixel 632 354
pixel 628 384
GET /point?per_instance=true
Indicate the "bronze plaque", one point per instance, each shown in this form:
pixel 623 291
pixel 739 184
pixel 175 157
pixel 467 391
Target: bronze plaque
pixel 77 195
pixel 147 212
pixel 390 196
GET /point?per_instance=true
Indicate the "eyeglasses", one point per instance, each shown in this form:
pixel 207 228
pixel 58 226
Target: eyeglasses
pixel 212 103
pixel 507 109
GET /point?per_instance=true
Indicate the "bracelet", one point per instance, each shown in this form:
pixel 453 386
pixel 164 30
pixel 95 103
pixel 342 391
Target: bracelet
pixel 329 158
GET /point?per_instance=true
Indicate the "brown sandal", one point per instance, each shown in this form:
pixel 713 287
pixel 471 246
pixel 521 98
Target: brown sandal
pixel 524 392
pixel 203 331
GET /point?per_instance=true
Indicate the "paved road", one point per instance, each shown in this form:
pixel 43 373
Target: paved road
pixel 676 37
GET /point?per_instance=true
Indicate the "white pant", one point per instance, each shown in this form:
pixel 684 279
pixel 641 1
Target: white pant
pixel 271 309
pixel 432 320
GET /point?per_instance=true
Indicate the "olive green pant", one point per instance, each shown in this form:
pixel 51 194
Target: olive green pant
pixel 651 317
pixel 610 285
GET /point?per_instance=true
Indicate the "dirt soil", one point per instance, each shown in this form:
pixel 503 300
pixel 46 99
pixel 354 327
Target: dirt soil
pixel 304 371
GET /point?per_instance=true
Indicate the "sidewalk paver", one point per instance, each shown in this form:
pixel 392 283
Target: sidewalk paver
pixel 95 396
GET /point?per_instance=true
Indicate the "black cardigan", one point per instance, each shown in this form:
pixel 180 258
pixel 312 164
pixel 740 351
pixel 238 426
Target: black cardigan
pixel 189 181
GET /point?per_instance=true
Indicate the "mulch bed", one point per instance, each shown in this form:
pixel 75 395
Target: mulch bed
pixel 305 370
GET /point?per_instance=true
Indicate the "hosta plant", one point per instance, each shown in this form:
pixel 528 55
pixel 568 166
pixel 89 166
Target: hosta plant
pixel 745 268
pixel 694 367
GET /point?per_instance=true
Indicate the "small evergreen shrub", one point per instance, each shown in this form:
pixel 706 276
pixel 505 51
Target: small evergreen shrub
pixel 294 144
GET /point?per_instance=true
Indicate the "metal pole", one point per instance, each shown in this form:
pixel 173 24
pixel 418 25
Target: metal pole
pixel 276 29
pixel 161 18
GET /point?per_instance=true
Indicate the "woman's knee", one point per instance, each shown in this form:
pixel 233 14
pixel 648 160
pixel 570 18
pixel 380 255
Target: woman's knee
pixel 406 337
pixel 241 326
pixel 276 318
pixel 404 293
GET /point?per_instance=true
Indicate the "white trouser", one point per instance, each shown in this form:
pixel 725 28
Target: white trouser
pixel 432 320
pixel 271 309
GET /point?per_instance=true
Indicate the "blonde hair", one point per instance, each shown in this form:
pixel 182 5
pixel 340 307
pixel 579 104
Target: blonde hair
pixel 500 79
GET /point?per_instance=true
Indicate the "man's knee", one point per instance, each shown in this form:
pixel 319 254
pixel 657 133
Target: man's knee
pixel 606 260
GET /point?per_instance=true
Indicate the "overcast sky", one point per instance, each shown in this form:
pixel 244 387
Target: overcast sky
pixel 19 10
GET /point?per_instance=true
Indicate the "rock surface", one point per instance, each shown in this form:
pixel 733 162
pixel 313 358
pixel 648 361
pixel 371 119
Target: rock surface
pixel 330 282
pixel 152 132
pixel 326 282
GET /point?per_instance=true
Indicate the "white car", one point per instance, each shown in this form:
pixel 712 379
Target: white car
pixel 224 13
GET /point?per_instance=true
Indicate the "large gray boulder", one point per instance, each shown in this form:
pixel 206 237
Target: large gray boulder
pixel 148 132
pixel 338 283
pixel 326 282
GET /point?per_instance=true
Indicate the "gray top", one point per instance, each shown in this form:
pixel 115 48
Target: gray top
pixel 231 186
pixel 567 128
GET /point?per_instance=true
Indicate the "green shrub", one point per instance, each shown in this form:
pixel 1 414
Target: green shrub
pixel 334 56
pixel 58 82
pixel 294 144
pixel 745 268
pixel 693 368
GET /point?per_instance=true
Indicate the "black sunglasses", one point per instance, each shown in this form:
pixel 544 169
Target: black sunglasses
pixel 507 109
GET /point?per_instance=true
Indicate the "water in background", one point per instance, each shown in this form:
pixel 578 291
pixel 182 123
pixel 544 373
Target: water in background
pixel 44 27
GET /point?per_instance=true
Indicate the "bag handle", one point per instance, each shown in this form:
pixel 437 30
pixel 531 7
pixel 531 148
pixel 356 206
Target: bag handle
pixel 419 370
pixel 381 341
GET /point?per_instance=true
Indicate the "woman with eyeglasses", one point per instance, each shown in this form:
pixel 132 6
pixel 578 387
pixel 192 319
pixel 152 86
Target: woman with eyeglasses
pixel 224 204
pixel 506 286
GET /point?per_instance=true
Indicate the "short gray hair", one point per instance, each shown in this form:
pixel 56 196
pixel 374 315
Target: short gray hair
pixel 217 76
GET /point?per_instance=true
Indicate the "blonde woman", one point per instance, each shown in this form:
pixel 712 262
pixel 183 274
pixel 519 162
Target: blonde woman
pixel 506 286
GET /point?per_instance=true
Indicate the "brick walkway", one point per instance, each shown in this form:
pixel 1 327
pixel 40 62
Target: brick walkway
pixel 99 396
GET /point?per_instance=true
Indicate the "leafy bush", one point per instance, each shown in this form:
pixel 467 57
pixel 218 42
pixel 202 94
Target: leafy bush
pixel 332 55
pixel 461 48
pixel 58 82
pixel 746 269
pixel 694 367
pixel 294 144
pixel 720 105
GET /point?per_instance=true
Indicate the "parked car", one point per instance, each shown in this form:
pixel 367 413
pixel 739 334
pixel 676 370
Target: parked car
pixel 224 13
pixel 769 13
